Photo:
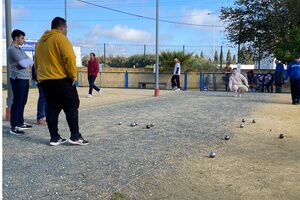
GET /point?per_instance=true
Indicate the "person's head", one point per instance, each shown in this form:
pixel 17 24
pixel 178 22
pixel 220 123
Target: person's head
pixel 234 71
pixel 227 64
pixel 92 56
pixel 60 24
pixel 277 61
pixel 176 59
pixel 297 58
pixel 18 37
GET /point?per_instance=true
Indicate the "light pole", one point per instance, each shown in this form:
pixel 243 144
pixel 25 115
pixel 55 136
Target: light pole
pixel 66 10
pixel 156 90
pixel 8 41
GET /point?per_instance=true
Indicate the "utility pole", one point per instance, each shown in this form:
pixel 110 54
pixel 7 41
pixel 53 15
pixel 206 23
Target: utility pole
pixel 66 10
pixel 8 42
pixel 156 90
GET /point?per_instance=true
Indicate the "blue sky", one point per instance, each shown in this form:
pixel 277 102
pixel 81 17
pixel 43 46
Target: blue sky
pixel 90 25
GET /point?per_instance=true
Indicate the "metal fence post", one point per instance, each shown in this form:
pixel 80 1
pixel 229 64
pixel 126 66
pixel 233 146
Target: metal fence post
pixel 185 80
pixel 201 81
pixel 126 79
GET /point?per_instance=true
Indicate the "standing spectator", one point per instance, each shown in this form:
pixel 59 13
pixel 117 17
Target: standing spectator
pixel 56 71
pixel 251 80
pixel 41 105
pixel 93 70
pixel 176 76
pixel 279 76
pixel 238 83
pixel 18 64
pixel 293 71
pixel 268 82
pixel 227 75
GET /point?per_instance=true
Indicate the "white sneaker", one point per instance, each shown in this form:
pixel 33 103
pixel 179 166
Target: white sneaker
pixel 89 96
pixel 174 88
pixel 235 95
pixel 239 95
pixel 100 91
pixel 177 90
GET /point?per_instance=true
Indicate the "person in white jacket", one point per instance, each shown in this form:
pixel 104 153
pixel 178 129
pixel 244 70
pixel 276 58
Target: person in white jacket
pixel 238 83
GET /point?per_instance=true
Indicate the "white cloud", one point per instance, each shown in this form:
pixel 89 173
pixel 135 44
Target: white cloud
pixel 119 32
pixel 201 17
pixel 124 33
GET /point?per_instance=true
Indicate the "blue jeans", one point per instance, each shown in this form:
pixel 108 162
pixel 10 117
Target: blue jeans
pixel 20 88
pixel 92 84
pixel 41 106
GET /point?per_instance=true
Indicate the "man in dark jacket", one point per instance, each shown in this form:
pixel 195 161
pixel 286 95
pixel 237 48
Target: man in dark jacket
pixel 293 71
pixel 93 70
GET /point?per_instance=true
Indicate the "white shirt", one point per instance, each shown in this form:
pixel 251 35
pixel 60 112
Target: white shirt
pixel 177 65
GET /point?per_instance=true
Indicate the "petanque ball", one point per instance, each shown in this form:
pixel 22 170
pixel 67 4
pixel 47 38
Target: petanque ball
pixel 120 123
pixel 212 154
pixel 227 137
pixel 147 126
pixel 243 120
pixel 133 124
pixel 242 126
pixel 253 121
pixel 281 136
pixel 152 125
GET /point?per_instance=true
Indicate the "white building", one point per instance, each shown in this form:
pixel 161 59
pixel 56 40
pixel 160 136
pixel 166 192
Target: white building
pixel 29 47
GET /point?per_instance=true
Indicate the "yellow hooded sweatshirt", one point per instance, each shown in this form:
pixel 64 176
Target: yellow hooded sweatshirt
pixel 54 57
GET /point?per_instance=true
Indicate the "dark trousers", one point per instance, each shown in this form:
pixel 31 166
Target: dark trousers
pixel 20 88
pixel 175 80
pixel 92 84
pixel 278 88
pixel 226 84
pixel 41 106
pixel 295 89
pixel 61 95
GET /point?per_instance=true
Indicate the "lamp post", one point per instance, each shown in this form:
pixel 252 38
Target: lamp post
pixel 156 90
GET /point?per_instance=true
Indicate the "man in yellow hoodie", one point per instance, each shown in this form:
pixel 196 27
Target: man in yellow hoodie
pixel 56 71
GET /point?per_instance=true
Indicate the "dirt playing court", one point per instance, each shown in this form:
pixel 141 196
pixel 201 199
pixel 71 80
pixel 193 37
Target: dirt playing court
pixel 167 162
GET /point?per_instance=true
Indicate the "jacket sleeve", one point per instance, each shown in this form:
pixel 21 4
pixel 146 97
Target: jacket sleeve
pixel 96 67
pixel 243 78
pixel 287 73
pixel 68 56
pixel 230 83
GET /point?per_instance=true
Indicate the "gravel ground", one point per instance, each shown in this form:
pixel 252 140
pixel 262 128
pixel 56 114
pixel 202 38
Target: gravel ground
pixel 185 123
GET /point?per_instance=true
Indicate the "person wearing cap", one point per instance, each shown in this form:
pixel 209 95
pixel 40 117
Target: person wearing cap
pixel 293 72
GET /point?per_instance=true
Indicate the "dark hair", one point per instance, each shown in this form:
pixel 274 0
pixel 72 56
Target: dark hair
pixel 17 33
pixel 234 69
pixel 93 54
pixel 297 56
pixel 58 22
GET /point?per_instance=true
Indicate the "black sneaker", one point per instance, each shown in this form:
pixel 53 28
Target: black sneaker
pixel 80 141
pixel 57 142
pixel 16 131
pixel 25 126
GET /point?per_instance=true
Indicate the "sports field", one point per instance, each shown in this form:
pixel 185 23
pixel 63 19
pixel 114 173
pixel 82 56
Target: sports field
pixel 167 161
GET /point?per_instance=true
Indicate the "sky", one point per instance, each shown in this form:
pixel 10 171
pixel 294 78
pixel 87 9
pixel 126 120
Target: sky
pixel 90 25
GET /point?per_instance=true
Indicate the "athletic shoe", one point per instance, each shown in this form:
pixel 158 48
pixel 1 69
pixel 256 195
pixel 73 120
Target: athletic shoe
pixel 177 90
pixel 80 141
pixel 236 95
pixel 100 91
pixel 239 95
pixel 25 126
pixel 174 88
pixel 16 131
pixel 89 96
pixel 57 142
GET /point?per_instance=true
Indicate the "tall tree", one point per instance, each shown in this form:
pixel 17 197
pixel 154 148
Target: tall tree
pixel 216 57
pixel 221 56
pixel 202 55
pixel 265 25
pixel 234 59
pixel 228 56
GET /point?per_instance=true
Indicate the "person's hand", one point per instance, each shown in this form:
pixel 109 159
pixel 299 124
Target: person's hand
pixel 73 83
